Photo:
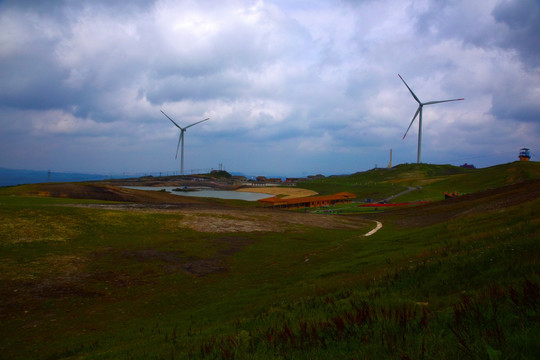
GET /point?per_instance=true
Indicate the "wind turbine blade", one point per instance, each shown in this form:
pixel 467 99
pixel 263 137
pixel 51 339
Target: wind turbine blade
pixel 441 101
pixel 178 146
pixel 198 122
pixel 414 117
pixel 412 93
pixel 171 120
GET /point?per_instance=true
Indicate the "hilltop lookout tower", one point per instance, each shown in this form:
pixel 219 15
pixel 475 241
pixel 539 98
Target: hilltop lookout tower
pixel 524 154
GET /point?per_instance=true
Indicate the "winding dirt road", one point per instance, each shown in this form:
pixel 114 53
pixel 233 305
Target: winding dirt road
pixel 377 228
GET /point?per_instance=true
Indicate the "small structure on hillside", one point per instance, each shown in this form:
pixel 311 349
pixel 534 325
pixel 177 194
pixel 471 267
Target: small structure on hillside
pixel 524 154
pixel 239 178
pixel 294 180
pixel 451 195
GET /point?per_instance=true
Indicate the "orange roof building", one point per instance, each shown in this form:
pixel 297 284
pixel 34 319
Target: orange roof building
pixel 308 202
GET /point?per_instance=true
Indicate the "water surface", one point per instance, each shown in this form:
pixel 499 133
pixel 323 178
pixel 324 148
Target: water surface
pixel 211 193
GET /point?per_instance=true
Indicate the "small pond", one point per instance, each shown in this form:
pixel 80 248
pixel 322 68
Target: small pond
pixel 220 194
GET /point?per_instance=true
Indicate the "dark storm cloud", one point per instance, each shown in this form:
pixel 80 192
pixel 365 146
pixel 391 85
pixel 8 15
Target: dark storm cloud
pixel 30 77
pixel 60 8
pixel 516 103
pixel 38 38
pixel 522 19
pixel 32 84
pixel 516 25
pixel 518 98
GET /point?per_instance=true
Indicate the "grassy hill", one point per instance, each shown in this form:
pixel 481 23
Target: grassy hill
pixel 98 279
pixel 433 180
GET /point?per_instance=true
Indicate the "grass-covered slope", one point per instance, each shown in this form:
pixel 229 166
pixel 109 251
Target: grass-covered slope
pixel 452 279
pixel 430 181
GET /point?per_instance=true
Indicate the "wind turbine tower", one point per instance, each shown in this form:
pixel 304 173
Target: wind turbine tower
pixel 419 114
pixel 181 140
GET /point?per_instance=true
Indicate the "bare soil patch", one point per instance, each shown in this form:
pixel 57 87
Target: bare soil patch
pixel 101 192
pixel 285 192
pixel 216 219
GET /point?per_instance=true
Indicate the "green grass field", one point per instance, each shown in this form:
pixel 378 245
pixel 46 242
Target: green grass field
pixel 460 279
pixel 433 180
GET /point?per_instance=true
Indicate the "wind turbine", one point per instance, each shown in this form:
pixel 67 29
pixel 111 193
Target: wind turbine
pixel 419 111
pixel 181 140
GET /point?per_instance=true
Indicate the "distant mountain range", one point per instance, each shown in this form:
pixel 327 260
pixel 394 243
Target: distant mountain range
pixel 10 177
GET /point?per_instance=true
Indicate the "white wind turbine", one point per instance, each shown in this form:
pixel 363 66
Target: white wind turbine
pixel 419 111
pixel 181 140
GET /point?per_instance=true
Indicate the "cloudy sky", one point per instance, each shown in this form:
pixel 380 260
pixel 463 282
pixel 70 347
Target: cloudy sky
pixel 290 87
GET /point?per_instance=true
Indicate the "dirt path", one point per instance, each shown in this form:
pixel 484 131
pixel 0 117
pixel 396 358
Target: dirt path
pixel 377 228
pixel 401 193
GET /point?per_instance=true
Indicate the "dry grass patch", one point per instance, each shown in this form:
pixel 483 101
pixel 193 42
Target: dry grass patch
pixel 25 227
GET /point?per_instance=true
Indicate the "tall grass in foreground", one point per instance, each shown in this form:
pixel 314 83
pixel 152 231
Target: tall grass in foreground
pixel 490 324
